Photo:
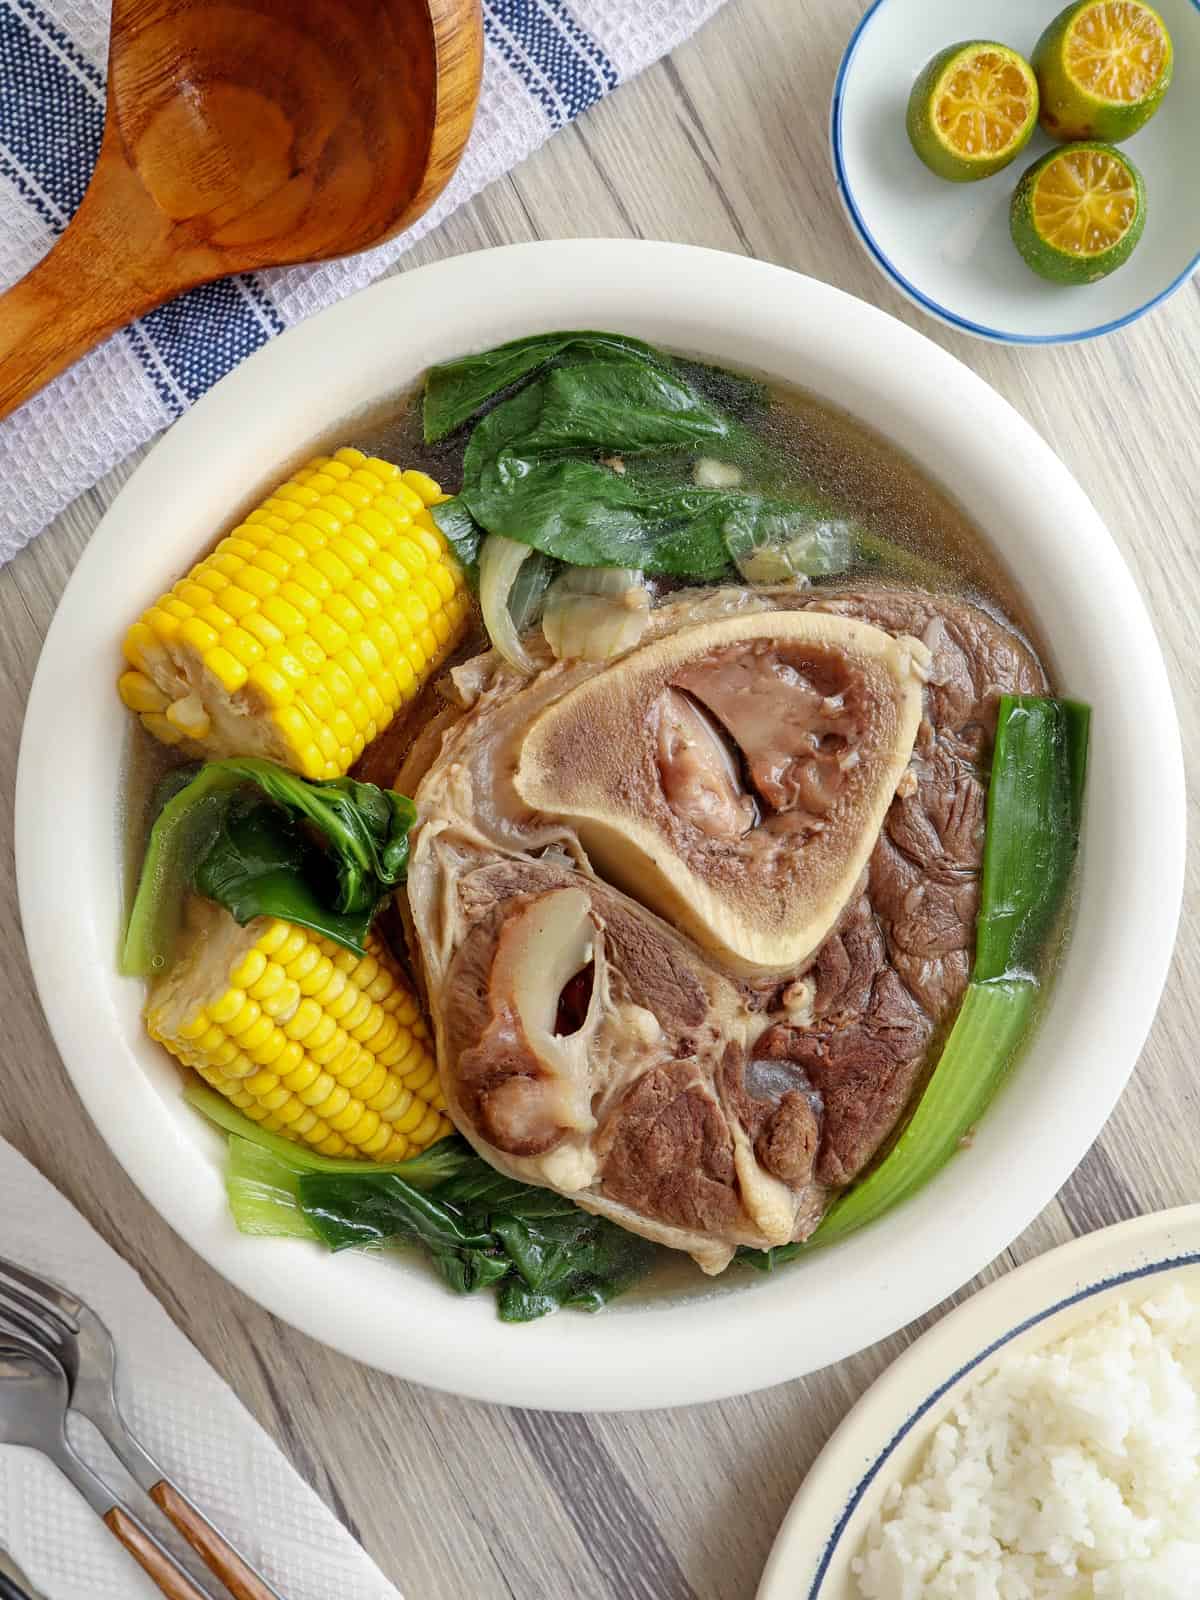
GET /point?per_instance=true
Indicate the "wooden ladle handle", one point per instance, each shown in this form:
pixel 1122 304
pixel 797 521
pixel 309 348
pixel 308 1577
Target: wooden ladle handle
pixel 217 1554
pixel 109 266
pixel 46 322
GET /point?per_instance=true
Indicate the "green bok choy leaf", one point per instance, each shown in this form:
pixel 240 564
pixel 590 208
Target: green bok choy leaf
pixel 458 390
pixel 478 1228
pixel 261 840
pixel 442 1160
pixel 590 461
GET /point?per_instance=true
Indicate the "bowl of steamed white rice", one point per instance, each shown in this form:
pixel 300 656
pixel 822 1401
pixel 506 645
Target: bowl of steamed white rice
pixel 1042 1442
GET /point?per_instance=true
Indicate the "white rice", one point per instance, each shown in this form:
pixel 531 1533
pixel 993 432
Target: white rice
pixel 1069 1473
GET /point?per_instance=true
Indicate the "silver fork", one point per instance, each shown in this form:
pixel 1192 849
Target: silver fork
pixel 75 1336
pixel 33 1412
pixel 14 1585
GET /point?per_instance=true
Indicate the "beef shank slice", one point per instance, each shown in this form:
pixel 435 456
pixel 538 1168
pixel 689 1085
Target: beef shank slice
pixel 696 1098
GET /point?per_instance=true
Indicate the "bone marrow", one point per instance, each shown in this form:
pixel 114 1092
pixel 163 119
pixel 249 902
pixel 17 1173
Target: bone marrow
pixel 822 714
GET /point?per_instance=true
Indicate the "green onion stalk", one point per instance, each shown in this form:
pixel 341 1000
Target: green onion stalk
pixel 1033 821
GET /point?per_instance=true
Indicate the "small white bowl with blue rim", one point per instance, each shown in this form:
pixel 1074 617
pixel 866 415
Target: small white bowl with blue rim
pixel 882 1440
pixel 947 246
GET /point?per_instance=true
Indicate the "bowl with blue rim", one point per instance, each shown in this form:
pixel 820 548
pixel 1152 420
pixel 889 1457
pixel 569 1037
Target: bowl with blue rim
pixel 885 1439
pixel 947 246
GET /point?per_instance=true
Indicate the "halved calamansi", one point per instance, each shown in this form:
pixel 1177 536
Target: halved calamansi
pixel 972 110
pixel 1103 67
pixel 1078 213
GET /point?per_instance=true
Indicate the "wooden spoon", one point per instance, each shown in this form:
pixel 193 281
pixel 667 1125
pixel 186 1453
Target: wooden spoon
pixel 243 134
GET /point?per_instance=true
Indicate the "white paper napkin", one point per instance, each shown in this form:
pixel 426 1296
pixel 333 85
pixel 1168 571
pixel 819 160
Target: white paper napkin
pixel 189 1420
pixel 547 61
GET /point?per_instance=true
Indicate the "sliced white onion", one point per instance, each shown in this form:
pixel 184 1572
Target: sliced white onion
pixel 612 582
pixel 708 473
pixel 595 613
pixel 500 560
pixel 770 564
pixel 825 548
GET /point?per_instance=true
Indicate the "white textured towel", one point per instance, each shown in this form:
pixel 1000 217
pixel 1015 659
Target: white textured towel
pixel 189 1420
pixel 547 60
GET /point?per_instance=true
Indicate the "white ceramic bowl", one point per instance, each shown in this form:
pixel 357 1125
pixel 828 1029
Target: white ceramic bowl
pixel 749 1331
pixel 884 1436
pixel 947 245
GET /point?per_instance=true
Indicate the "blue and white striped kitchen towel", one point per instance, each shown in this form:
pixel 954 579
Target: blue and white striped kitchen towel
pixel 547 60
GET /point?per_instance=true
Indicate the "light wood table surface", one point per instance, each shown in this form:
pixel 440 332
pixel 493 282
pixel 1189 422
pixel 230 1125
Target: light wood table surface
pixel 723 145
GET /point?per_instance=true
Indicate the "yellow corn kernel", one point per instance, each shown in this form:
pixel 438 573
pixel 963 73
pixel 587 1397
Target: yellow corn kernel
pixel 238 601
pixel 139 640
pixel 197 637
pixel 423 486
pixel 428 1129
pixel 283 614
pixel 189 716
pixel 217 618
pixel 164 731
pixel 362 1129
pixel 271 685
pixel 244 1019
pixel 163 622
pixel 242 645
pixel 261 629
pixel 140 694
pixel 226 668
pixel 259 582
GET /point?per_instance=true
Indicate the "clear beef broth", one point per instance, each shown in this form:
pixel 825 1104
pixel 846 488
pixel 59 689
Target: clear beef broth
pixel 863 478
pixel 924 540
pixel 869 480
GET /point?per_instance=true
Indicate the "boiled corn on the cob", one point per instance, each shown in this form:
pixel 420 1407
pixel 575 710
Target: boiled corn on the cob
pixel 306 630
pixel 307 1038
